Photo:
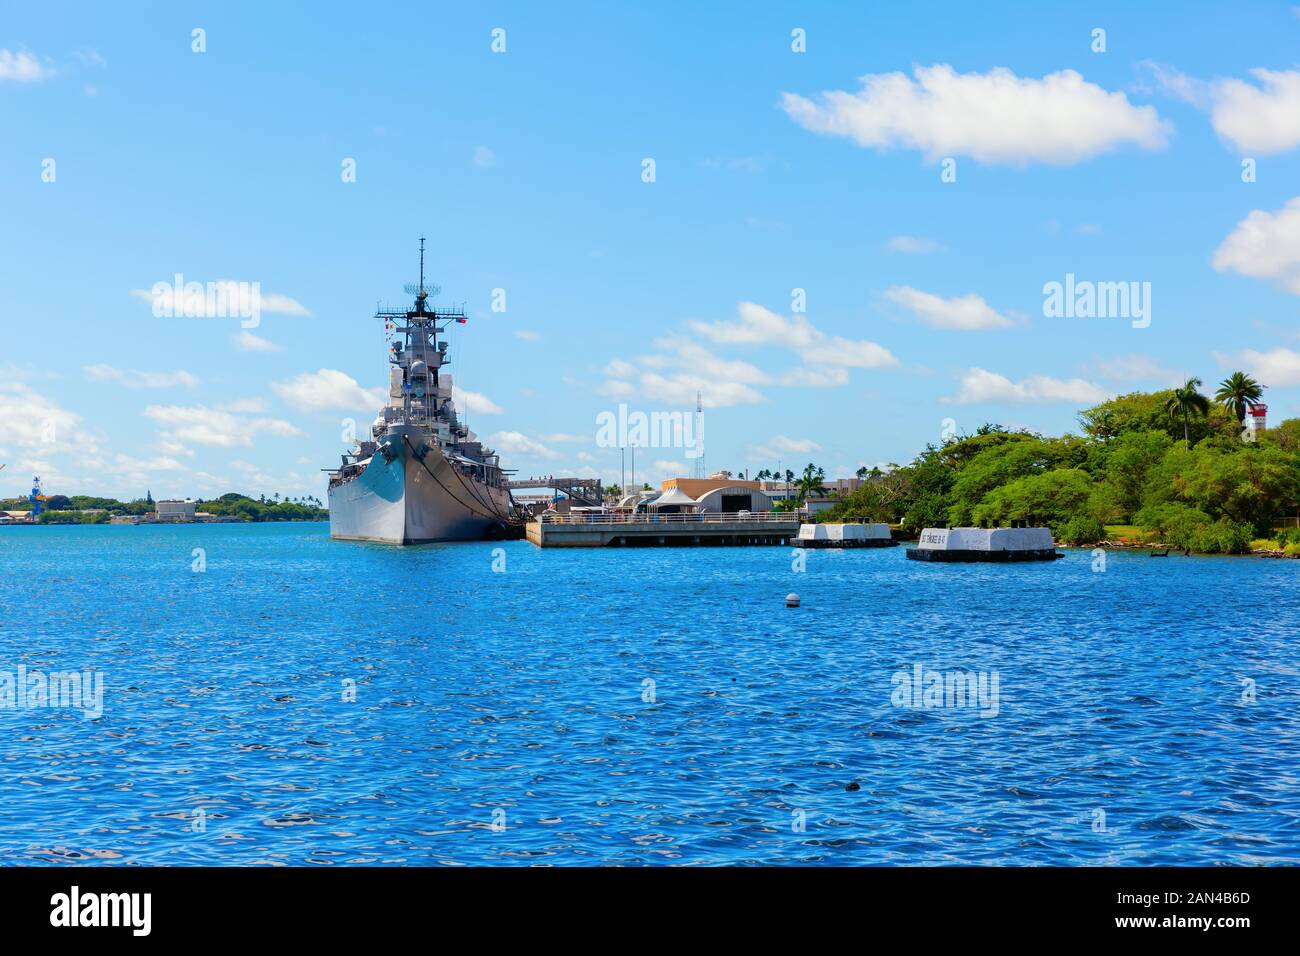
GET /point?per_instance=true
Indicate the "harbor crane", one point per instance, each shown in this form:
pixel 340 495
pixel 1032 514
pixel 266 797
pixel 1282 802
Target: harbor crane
pixel 37 498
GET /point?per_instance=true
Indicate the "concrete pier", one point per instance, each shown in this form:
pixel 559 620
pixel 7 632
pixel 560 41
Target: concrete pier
pixel 844 536
pixel 985 544
pixel 670 530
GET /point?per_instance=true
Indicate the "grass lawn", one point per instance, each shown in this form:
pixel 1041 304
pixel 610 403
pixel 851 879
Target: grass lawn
pixel 1123 532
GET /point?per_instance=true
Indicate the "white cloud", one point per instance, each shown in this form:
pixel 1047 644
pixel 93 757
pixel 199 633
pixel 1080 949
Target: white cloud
pixel 270 484
pixel 979 385
pixel 1255 119
pixel 967 312
pixel 1137 368
pixel 527 335
pixel 1278 367
pixel 326 389
pixel 253 405
pixel 683 367
pixel 814 376
pixel 689 368
pixel 142 466
pixel 484 158
pixel 850 353
pixel 219 427
pixel 618 368
pixel 913 245
pixel 755 325
pixel 476 403
pixel 30 420
pixel 1265 246
pixel 22 67
pixel 195 303
pixel 782 446
pixel 661 470
pixel 682 388
pixel 90 57
pixel 994 117
pixel 519 444
pixel 137 379
pixel 246 341
pixel 170 446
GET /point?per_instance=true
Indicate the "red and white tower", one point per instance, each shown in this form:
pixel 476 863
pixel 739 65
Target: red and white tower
pixel 1256 418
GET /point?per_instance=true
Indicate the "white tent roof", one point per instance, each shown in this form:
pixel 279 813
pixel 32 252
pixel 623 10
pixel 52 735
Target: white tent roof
pixel 673 496
pixel 634 499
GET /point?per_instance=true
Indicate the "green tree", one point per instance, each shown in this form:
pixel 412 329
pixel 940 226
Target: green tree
pixel 993 467
pixel 812 481
pixel 1144 411
pixel 880 498
pixel 1052 498
pixel 1237 393
pixel 1130 458
pixel 1185 402
pixel 1285 436
pixel 1252 485
pixel 1183 526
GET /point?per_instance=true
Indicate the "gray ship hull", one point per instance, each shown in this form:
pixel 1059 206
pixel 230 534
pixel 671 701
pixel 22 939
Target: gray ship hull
pixel 401 499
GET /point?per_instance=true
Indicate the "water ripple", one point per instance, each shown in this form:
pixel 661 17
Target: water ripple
pixel 311 703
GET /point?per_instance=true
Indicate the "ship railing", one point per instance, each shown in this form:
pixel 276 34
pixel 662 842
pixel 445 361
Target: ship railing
pixel 613 517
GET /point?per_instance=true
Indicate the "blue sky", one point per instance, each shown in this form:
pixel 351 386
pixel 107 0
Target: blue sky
pixel 924 298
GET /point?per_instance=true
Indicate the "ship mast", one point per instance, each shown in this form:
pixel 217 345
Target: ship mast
pixel 420 355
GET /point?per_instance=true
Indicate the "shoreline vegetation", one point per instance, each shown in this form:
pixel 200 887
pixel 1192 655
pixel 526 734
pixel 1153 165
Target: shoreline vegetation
pixel 1166 469
pixel 233 507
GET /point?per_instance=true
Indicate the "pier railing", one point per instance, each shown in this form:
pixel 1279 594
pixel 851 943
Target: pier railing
pixel 731 517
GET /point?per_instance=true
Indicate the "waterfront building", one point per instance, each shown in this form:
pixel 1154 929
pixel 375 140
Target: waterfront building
pixel 720 493
pixel 733 498
pixel 174 509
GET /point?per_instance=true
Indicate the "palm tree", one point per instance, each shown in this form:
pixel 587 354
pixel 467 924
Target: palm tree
pixel 1237 393
pixel 1186 400
pixel 811 481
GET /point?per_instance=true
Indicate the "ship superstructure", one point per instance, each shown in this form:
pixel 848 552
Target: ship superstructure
pixel 421 475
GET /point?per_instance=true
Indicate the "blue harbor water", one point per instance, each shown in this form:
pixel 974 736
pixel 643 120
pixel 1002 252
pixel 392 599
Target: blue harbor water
pixel 648 706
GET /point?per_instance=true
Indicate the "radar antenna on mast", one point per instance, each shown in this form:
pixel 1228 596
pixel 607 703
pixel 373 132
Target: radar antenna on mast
pixel 419 289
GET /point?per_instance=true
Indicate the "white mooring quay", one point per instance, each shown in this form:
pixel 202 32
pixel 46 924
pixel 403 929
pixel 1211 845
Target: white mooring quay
pixel 985 544
pixel 844 536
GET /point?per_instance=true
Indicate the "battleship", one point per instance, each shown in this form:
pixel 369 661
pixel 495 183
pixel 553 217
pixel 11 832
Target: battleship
pixel 422 475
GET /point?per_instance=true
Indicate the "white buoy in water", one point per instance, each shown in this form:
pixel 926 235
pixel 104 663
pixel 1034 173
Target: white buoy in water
pixel 792 600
